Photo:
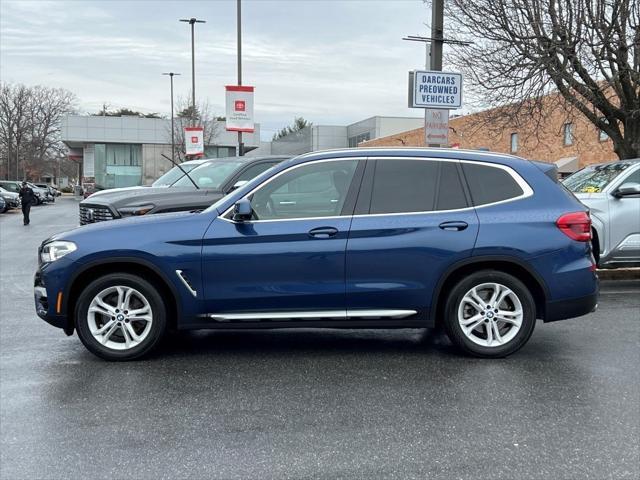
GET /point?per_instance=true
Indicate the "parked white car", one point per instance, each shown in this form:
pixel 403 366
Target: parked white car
pixel 612 193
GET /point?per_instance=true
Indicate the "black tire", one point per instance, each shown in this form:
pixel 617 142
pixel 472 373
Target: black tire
pixel 454 329
pixel 151 295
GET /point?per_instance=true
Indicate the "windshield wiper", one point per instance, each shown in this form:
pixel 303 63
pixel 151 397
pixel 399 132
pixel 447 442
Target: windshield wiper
pixel 182 169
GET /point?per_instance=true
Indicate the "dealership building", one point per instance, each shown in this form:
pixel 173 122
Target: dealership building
pixel 323 137
pixel 127 151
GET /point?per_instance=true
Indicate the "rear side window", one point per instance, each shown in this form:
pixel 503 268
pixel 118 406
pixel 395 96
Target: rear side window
pixel 490 184
pixel 404 186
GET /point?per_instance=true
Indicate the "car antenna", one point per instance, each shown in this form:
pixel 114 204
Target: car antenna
pixel 183 170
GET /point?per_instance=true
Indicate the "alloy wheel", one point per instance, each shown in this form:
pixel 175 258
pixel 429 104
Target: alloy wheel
pixel 490 314
pixel 119 317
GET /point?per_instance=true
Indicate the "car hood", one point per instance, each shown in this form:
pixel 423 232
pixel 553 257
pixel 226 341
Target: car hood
pixel 122 225
pixel 11 195
pixel 118 190
pixel 141 195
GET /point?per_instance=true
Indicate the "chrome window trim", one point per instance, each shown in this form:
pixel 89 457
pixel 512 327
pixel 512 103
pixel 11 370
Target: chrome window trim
pixel 522 183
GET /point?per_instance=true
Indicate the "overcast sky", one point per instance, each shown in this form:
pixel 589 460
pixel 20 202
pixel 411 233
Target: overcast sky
pixel 330 61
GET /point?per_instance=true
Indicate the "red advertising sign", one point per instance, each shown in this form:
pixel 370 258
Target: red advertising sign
pixel 239 108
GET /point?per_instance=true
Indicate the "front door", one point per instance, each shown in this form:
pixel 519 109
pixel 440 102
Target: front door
pixel 413 219
pixel 288 261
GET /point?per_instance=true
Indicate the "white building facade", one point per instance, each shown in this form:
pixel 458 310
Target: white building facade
pixel 127 151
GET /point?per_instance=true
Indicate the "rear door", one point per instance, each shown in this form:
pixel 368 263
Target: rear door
pixel 413 219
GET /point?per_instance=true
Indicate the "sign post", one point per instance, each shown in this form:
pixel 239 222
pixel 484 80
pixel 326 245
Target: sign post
pixel 194 141
pixel 436 126
pixel 437 92
pixel 239 108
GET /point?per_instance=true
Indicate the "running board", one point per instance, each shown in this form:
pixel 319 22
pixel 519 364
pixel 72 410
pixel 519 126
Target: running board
pixel 310 315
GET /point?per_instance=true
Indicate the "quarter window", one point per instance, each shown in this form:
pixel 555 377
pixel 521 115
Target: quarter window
pixel 314 190
pixel 404 186
pixel 490 184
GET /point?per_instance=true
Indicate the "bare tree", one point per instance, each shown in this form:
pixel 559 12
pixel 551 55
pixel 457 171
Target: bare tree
pixel 14 124
pixel 203 116
pixel 585 51
pixel 30 120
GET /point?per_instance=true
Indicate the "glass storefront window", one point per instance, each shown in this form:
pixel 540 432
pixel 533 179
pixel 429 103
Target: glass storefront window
pixel 118 164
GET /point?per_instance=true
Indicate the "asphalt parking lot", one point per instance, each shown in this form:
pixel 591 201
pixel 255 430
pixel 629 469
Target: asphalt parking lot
pixel 313 404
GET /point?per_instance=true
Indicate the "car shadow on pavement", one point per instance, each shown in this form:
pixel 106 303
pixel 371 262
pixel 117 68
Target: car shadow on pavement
pixel 304 341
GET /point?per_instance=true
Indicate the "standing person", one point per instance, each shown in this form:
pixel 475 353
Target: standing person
pixel 28 197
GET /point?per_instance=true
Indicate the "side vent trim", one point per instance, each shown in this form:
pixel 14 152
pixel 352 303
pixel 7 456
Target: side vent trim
pixel 185 280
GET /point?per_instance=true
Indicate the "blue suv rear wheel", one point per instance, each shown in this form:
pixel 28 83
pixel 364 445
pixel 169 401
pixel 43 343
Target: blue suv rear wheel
pixel 490 314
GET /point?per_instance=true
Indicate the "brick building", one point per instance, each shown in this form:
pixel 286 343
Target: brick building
pixel 564 137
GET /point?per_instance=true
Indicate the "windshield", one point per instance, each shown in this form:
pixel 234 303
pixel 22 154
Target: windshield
pixel 173 175
pixel 594 179
pixel 212 175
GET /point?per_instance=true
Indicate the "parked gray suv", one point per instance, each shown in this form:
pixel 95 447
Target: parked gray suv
pixel 203 186
pixel 612 193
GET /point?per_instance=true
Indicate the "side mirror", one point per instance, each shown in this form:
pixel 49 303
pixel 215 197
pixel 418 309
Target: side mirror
pixel 238 184
pixel 242 210
pixel 627 189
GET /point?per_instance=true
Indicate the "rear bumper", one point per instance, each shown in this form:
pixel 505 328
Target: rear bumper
pixel 571 308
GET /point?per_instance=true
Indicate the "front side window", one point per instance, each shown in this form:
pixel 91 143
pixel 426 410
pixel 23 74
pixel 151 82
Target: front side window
pixel 489 184
pixel 313 190
pixel 254 170
pixel 409 186
pixel 211 175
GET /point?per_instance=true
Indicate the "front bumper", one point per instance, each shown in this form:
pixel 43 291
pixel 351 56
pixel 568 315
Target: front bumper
pixel 49 306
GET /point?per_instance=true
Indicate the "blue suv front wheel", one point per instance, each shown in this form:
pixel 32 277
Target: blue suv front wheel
pixel 120 317
pixel 490 314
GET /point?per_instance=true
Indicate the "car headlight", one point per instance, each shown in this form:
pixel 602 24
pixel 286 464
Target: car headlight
pixel 52 251
pixel 137 210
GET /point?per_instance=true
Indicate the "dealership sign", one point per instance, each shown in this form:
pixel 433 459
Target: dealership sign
pixel 239 108
pixel 194 141
pixel 433 89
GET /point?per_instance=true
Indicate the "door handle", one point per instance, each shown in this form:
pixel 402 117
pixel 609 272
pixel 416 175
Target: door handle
pixel 453 226
pixel 323 232
pixel 287 202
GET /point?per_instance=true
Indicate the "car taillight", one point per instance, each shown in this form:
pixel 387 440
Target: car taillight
pixel 576 225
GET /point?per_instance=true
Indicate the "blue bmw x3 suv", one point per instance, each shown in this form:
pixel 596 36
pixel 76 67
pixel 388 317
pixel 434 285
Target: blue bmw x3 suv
pixel 478 243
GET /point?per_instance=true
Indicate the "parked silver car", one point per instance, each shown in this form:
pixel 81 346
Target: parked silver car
pixel 11 199
pixel 612 193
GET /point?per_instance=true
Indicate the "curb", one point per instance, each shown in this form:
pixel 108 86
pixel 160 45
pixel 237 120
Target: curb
pixel 619 274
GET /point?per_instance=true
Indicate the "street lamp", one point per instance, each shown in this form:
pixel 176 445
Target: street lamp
pixel 173 143
pixel 239 47
pixel 192 21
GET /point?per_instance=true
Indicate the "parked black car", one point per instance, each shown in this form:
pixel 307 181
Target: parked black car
pixel 204 185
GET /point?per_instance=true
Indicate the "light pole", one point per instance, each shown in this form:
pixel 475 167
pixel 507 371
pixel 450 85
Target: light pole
pixel 173 143
pixel 239 28
pixel 192 21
